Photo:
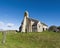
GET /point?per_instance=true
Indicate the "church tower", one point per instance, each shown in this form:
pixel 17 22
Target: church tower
pixel 26 15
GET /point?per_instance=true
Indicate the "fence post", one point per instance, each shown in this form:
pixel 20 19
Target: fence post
pixel 4 36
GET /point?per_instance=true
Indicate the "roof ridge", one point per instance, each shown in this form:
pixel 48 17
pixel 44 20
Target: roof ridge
pixel 34 19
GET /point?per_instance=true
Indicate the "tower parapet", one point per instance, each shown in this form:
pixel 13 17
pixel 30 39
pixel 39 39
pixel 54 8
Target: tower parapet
pixel 26 14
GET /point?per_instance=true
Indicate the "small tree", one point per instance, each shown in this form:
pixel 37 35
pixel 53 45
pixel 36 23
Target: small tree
pixel 58 28
pixel 53 28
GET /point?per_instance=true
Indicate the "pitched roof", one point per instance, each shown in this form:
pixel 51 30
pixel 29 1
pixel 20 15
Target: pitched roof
pixel 36 21
pixel 31 19
pixel 44 24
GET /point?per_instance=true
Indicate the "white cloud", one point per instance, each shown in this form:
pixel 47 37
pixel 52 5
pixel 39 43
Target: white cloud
pixel 10 25
pixel 1 23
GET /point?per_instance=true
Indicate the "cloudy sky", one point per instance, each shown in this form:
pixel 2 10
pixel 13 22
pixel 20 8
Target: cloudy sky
pixel 12 12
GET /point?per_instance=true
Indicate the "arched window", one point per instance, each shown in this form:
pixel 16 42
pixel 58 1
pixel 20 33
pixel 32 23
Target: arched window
pixel 39 26
pixel 43 29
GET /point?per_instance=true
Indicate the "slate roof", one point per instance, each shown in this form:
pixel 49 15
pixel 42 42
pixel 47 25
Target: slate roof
pixel 36 21
pixel 44 24
pixel 31 19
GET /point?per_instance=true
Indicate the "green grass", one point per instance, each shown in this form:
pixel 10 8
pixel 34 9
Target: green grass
pixel 31 40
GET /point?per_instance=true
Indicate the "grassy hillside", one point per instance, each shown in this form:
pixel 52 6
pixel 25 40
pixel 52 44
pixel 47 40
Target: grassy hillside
pixel 31 40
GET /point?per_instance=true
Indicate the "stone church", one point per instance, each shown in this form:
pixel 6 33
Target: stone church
pixel 31 25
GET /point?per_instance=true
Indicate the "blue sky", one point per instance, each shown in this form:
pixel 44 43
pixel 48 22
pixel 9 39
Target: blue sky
pixel 12 12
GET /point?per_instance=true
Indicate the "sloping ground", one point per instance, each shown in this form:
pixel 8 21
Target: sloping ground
pixel 31 40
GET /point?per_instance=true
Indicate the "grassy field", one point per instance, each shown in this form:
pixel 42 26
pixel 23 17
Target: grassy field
pixel 31 40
